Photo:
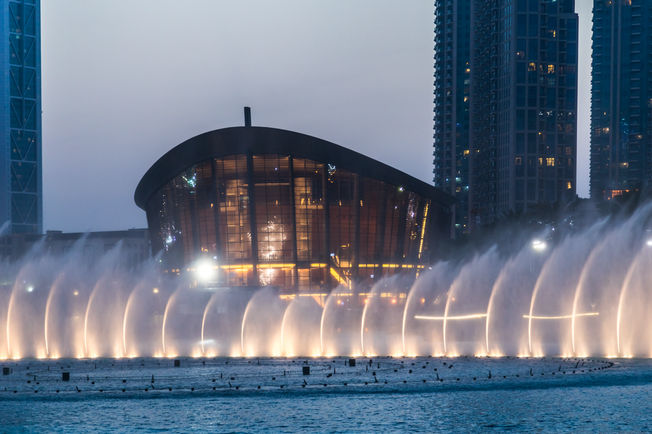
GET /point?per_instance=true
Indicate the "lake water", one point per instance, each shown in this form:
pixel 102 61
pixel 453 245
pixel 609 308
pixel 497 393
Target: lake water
pixel 384 394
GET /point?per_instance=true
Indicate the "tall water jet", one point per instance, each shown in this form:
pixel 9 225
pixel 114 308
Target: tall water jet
pixel 182 321
pixel 465 313
pixel 538 301
pixel 551 303
pixel 633 330
pixel 222 321
pixel 105 309
pixel 340 323
pixel 143 314
pixel 426 298
pixel 66 304
pixel 26 270
pixel 7 278
pixel 505 327
pixel 380 328
pixel 26 310
pixel 300 328
pixel 261 324
pixel 7 275
pixel 604 271
pixel 64 315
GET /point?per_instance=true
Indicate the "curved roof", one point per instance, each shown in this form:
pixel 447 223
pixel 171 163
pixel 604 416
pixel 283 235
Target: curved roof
pixel 262 140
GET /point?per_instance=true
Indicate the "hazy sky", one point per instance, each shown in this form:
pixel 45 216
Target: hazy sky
pixel 126 80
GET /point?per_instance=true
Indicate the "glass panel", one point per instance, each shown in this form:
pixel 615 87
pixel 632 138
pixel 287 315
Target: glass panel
pixel 274 219
pixel 309 209
pixel 233 207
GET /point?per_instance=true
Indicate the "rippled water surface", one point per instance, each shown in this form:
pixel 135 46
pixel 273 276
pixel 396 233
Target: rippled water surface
pixel 463 394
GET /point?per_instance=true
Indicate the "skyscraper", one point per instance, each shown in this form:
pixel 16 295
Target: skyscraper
pixel 521 101
pixel 20 116
pixel 621 98
pixel 451 101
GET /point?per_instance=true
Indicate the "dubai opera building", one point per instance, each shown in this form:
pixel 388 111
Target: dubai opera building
pixel 266 206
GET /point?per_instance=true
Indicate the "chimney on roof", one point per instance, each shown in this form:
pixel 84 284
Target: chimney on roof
pixel 247 114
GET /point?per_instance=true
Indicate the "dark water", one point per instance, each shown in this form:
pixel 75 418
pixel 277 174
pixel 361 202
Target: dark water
pixel 598 396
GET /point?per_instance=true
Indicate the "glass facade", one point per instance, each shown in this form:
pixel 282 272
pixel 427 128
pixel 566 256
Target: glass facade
pixel 621 98
pixel 20 117
pixel 292 222
pixel 451 104
pixel 505 105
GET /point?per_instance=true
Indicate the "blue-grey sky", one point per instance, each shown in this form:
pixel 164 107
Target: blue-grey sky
pixel 126 80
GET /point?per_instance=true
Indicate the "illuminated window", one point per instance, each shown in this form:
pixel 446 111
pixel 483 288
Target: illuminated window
pixel 550 161
pixel 531 66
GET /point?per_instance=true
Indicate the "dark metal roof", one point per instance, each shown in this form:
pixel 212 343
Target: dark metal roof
pixel 262 140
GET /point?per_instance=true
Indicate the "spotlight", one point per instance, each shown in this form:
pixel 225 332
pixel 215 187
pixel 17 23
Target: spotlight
pixel 539 245
pixel 649 242
pixel 205 270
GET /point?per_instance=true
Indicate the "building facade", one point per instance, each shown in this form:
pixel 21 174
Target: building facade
pixel 274 207
pixel 521 101
pixel 621 98
pixel 21 208
pixel 451 104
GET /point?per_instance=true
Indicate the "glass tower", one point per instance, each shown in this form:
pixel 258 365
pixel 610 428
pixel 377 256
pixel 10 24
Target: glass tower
pixel 621 98
pixel 451 104
pixel 20 117
pixel 505 105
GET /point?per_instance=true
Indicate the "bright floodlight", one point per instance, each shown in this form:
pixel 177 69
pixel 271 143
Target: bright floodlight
pixel 539 245
pixel 649 242
pixel 205 270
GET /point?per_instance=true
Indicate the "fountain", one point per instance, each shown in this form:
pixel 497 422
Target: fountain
pixel 584 294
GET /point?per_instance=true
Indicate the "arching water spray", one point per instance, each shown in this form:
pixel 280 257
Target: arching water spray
pixel 283 322
pixel 578 290
pixel 445 319
pixel 86 315
pixel 621 300
pixel 404 319
pixel 46 319
pixel 165 319
pixel 10 308
pixel 497 284
pixel 203 323
pixel 242 327
pixel 321 322
pixel 367 302
pixel 125 317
